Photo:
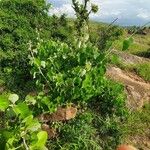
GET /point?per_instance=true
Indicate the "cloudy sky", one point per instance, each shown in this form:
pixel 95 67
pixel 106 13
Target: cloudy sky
pixel 128 12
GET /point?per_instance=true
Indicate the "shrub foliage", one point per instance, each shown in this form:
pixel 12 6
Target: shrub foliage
pixel 68 75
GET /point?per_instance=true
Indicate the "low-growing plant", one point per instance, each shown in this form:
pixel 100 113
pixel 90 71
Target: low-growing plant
pixel 77 134
pixel 19 129
pixel 65 75
pixel 111 100
pixel 143 70
pixel 109 131
pixel 107 36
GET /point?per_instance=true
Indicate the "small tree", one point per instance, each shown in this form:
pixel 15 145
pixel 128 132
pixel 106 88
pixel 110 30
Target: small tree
pixel 82 13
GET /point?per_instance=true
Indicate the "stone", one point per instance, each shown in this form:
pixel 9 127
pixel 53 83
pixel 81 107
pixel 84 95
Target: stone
pixel 62 114
pixel 126 147
pixel 50 131
pixel 137 90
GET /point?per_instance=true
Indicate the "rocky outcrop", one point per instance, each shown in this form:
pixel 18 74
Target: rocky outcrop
pixel 138 91
pixel 130 59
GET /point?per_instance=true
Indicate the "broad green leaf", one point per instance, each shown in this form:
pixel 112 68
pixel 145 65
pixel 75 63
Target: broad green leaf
pixel 43 64
pixel 13 98
pixel 28 120
pixel 22 109
pixel 33 125
pixel 88 66
pixel 7 134
pixel 42 138
pixel 115 59
pixel 30 99
pixel 4 103
pixel 11 140
pixel 37 62
pixel 127 43
pixel 40 144
pixel 87 82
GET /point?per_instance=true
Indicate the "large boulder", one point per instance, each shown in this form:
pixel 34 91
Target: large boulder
pixel 137 90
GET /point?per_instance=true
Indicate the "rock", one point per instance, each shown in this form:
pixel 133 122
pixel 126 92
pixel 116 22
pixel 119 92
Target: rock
pixel 50 131
pixel 137 90
pixel 130 59
pixel 62 114
pixel 126 147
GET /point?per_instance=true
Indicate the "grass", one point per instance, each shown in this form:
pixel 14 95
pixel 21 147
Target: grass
pixel 137 128
pixel 140 46
pixel 138 123
pixel 77 134
pixel 90 131
pixel 143 70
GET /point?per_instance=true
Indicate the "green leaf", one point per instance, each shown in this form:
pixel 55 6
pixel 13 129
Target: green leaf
pixel 87 82
pixel 22 109
pixel 13 98
pixel 43 64
pixel 37 62
pixel 30 99
pixel 40 144
pixel 28 120
pixel 7 134
pixel 127 43
pixel 42 138
pixel 31 124
pixel 115 59
pixel 11 140
pixel 34 125
pixel 4 103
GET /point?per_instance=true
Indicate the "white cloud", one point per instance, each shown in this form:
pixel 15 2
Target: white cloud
pixel 129 11
pixel 65 8
pixel 144 14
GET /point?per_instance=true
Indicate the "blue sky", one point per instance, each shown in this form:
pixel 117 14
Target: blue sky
pixel 128 12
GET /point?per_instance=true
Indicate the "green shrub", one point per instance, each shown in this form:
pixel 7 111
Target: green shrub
pixel 89 130
pixel 69 75
pixel 109 131
pixel 18 127
pixel 111 100
pixel 20 22
pixel 108 34
pixel 144 71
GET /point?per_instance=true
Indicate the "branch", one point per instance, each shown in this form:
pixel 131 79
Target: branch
pixel 85 3
pixel 25 145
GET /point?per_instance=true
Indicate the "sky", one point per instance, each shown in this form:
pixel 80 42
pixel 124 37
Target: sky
pixel 128 12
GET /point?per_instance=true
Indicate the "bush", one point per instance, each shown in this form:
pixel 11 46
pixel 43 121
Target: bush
pixel 19 129
pixel 107 36
pixel 112 100
pixel 19 22
pixel 68 75
pixel 144 71
pixel 109 131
